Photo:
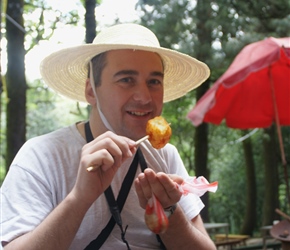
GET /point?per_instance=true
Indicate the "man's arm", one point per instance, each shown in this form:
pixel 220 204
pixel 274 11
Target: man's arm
pixel 58 229
pixel 185 234
pixel 181 233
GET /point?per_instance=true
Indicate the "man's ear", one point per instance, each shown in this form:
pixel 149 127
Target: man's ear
pixel 89 92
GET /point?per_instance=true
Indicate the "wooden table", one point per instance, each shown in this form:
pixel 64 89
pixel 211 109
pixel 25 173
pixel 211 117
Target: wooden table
pixel 212 228
pixel 229 243
pixel 241 237
pixel 265 232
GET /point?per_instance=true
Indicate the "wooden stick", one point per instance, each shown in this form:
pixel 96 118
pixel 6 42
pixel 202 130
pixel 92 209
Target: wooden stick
pixel 142 139
pixel 278 211
pixel 92 168
pixel 95 167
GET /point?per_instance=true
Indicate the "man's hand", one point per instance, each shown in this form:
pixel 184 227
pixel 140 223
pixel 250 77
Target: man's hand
pixel 161 184
pixel 108 151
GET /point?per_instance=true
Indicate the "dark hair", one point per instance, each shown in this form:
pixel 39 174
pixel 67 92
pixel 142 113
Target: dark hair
pixel 98 64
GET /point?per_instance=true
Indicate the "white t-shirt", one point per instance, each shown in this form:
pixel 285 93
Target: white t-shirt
pixel 44 172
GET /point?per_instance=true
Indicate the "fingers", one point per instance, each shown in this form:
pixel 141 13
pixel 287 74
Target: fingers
pixel 107 150
pixel 143 189
pixel 162 185
pixel 105 154
pixel 99 159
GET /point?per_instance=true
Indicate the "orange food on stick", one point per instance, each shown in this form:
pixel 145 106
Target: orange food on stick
pixel 158 131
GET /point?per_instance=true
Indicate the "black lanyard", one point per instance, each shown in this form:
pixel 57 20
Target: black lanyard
pixel 116 206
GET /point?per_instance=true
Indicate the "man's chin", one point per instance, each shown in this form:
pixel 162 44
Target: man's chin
pixel 135 136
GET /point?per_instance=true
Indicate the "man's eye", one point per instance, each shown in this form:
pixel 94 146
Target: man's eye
pixel 126 80
pixel 155 82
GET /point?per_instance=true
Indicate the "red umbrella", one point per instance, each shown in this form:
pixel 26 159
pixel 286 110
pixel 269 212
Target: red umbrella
pixel 254 91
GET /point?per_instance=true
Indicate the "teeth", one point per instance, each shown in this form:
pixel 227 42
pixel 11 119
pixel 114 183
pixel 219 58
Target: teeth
pixel 138 113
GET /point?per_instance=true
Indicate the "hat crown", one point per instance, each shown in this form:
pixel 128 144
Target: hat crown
pixel 128 34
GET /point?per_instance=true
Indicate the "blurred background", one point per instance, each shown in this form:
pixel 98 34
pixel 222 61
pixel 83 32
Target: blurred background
pixel 246 162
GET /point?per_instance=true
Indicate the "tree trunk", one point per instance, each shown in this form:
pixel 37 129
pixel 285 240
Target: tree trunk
pixel 271 201
pixel 15 78
pixel 90 24
pixel 90 20
pixel 251 190
pixel 1 85
pixel 202 48
pixel 200 158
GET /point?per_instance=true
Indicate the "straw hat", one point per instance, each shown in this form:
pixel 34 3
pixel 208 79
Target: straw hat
pixel 65 71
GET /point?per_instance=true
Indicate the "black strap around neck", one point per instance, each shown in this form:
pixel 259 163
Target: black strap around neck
pixel 116 206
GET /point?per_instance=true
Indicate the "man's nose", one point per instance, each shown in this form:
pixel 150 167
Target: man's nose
pixel 142 94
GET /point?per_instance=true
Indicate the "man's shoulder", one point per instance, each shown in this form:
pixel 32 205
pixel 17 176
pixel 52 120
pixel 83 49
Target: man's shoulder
pixel 66 137
pixel 56 144
pixel 61 134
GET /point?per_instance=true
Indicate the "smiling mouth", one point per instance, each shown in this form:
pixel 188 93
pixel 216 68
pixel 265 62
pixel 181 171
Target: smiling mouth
pixel 135 113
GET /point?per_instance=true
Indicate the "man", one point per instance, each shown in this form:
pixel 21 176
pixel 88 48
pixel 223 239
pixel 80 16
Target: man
pixel 51 201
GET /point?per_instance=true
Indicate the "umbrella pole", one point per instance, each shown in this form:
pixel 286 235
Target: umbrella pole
pixel 284 163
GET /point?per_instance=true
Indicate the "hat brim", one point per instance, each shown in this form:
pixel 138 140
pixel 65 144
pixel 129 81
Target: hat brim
pixel 66 71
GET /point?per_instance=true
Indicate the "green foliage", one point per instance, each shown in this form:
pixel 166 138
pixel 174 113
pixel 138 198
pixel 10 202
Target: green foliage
pixel 182 129
pixel 58 111
pixel 41 20
pixel 234 24
pixel 228 167
pixel 167 19
pixel 2 137
pixel 267 15
pixel 46 112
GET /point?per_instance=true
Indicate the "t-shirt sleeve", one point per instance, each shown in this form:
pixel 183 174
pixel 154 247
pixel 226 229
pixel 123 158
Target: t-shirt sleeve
pixel 190 203
pixel 25 201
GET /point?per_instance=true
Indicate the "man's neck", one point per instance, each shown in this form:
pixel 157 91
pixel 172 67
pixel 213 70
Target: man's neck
pixel 96 125
pixel 81 129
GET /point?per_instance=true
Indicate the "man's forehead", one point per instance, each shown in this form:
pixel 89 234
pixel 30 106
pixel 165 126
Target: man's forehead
pixel 121 55
pixel 135 72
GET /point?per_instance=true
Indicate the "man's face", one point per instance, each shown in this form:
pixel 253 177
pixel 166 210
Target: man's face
pixel 131 90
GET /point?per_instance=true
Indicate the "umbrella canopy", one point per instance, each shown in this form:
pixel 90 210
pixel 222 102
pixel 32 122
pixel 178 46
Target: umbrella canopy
pixel 253 91
pixel 281 231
